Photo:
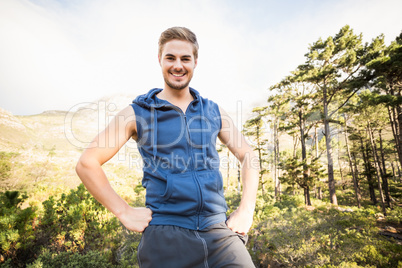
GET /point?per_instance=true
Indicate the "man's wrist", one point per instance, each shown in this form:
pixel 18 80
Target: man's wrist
pixel 247 208
pixel 121 211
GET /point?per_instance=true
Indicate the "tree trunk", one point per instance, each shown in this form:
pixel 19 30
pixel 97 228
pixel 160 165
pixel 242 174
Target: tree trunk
pixel 304 159
pixel 398 118
pixel 343 182
pixel 393 172
pixel 367 169
pixel 307 199
pixel 318 189
pixel 384 174
pixel 260 158
pixel 399 173
pixel 331 179
pixel 377 169
pixel 316 141
pixel 357 176
pixel 355 184
pixel 396 131
pixel 276 160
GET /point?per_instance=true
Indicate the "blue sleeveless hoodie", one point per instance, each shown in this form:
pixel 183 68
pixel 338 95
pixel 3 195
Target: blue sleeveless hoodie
pixel 181 165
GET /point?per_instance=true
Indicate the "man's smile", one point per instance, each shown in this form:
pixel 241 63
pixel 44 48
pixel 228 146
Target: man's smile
pixel 178 75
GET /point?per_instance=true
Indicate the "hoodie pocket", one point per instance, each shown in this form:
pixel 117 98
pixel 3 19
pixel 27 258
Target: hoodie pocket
pixel 182 195
pixel 212 191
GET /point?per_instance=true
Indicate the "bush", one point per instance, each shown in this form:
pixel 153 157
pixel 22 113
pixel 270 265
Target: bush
pixel 5 164
pixel 70 260
pixel 325 237
pixel 16 226
pixel 394 215
pixel 77 222
pixel 73 230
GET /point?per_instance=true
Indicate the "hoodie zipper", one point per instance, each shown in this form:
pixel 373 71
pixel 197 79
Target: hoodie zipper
pixel 194 174
pixel 191 153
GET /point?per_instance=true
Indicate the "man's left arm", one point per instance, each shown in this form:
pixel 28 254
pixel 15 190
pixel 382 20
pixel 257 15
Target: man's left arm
pixel 241 219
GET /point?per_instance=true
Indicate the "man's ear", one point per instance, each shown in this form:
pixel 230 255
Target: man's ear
pixel 159 59
pixel 196 61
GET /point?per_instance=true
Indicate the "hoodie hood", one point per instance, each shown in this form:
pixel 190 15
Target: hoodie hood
pixel 150 100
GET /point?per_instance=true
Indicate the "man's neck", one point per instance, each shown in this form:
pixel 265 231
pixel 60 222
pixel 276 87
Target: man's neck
pixel 180 98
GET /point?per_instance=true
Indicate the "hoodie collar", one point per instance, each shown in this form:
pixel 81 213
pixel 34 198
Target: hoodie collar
pixel 150 100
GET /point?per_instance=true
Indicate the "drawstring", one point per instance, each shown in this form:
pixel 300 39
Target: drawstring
pixel 204 146
pixel 154 121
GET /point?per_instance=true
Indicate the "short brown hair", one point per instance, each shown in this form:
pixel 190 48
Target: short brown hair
pixel 178 33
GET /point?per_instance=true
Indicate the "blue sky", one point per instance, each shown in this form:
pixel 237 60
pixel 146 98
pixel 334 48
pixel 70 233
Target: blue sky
pixel 57 54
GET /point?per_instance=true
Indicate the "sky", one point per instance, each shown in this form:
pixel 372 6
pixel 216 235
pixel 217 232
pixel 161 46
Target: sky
pixel 57 54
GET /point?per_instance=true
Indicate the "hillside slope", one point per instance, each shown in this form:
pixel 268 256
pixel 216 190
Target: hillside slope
pixel 44 148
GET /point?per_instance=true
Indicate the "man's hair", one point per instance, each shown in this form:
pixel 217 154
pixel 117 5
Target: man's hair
pixel 178 33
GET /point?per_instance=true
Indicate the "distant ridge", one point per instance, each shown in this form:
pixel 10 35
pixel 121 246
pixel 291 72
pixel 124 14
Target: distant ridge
pixel 50 127
pixel 53 112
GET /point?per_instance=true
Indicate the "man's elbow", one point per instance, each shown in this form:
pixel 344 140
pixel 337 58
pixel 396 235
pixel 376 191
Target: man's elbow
pixel 79 167
pixel 82 164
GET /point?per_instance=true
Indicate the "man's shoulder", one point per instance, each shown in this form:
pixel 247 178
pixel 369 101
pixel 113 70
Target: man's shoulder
pixel 146 99
pixel 210 102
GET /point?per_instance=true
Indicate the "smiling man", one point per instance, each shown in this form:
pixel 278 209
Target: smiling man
pixel 184 221
pixel 177 73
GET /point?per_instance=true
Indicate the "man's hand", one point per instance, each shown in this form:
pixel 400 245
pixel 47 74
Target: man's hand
pixel 136 219
pixel 240 221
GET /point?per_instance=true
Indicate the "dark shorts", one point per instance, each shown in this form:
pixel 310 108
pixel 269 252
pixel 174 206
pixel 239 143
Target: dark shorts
pixel 213 247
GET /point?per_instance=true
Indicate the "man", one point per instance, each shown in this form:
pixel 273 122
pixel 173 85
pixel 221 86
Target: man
pixel 184 222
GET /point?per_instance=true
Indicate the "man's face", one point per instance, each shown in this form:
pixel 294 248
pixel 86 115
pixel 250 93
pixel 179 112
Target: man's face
pixel 178 63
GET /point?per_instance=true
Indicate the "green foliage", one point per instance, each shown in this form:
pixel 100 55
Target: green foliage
pixel 77 222
pixel 73 230
pixel 289 202
pixel 293 236
pixel 293 171
pixel 5 164
pixel 71 260
pixel 16 225
pixel 394 215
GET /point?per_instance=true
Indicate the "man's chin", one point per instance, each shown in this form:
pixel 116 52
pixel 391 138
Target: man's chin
pixel 177 86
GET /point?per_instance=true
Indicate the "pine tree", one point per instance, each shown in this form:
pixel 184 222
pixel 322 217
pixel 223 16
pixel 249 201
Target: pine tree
pixel 385 73
pixel 333 66
pixel 254 128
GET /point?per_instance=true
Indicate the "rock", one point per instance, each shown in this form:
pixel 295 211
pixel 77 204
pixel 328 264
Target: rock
pixel 310 208
pixel 345 209
pixel 390 229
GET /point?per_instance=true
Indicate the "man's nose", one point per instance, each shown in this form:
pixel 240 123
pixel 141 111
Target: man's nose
pixel 178 65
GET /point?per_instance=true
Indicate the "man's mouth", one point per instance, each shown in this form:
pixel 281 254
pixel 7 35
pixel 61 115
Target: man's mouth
pixel 178 75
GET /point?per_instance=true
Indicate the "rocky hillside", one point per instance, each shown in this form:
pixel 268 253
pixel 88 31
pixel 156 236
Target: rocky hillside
pixel 44 148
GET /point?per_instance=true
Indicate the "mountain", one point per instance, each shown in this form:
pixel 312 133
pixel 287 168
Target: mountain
pixel 44 148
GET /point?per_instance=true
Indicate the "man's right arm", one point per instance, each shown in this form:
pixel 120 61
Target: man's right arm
pixel 89 169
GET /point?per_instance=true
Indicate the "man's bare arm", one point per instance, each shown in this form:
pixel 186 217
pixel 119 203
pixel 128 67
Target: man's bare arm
pixel 89 169
pixel 240 221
